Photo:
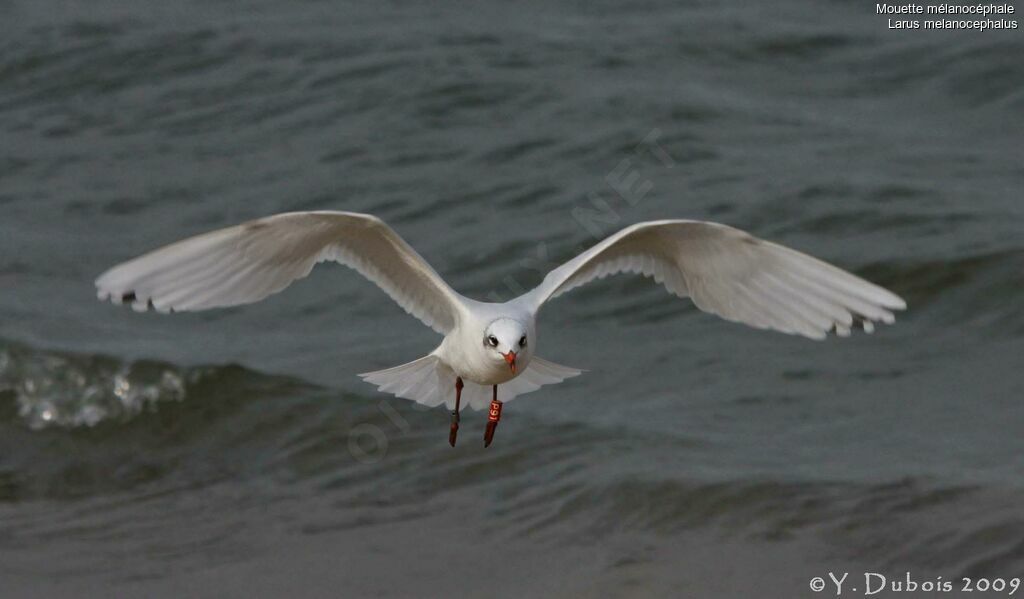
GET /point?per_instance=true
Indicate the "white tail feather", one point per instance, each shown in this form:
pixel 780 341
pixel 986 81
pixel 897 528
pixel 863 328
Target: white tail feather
pixel 431 382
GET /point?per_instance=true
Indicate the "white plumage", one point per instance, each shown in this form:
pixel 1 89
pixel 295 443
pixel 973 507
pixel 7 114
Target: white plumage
pixel 725 271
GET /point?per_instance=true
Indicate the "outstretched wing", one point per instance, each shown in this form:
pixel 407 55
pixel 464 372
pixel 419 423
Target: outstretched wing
pixel 728 272
pixel 248 262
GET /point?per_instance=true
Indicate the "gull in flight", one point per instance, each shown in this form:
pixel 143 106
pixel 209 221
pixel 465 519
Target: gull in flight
pixel 723 270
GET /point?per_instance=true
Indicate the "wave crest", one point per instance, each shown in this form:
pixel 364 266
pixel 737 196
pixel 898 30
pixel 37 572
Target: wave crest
pixel 53 389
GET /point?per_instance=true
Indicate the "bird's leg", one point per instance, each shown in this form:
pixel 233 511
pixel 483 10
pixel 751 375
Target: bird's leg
pixel 455 413
pixel 493 416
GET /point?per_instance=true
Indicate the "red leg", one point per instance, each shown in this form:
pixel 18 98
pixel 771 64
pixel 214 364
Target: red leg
pixel 455 413
pixel 493 416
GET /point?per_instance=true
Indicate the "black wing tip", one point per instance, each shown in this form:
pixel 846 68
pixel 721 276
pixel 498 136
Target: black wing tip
pixel 859 322
pixel 131 299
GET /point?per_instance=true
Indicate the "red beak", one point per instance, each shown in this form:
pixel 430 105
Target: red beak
pixel 510 357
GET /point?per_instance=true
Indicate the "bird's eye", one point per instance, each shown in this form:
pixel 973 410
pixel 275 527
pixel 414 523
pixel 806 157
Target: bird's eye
pixel 492 340
pixel 522 341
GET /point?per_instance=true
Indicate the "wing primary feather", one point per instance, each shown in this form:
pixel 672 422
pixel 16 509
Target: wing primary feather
pixel 800 301
pixel 842 280
pixel 852 302
pixel 797 320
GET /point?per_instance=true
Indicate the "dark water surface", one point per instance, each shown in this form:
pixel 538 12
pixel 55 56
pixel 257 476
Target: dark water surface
pixel 235 453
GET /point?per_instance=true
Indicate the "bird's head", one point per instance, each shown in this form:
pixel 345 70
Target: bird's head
pixel 506 339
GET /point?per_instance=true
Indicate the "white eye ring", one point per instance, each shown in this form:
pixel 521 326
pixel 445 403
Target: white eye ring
pixel 492 340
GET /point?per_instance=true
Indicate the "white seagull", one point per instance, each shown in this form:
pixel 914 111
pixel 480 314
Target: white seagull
pixel 725 271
